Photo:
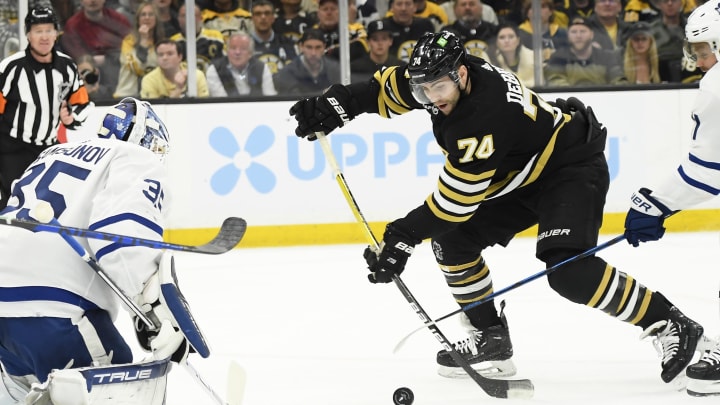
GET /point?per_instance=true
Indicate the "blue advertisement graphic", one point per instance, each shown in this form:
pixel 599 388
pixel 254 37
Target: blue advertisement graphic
pixel 261 178
pixel 382 150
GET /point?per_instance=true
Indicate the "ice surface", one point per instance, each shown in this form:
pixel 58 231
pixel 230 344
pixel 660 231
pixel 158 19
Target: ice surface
pixel 310 330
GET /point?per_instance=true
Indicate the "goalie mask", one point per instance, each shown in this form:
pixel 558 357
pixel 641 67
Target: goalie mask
pixel 435 56
pixel 134 121
pixel 703 25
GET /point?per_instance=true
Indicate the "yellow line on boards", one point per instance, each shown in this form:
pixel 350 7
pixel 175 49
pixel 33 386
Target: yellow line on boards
pixel 343 233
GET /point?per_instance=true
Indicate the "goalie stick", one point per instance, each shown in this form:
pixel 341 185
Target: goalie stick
pixel 495 388
pixel 43 212
pixel 231 233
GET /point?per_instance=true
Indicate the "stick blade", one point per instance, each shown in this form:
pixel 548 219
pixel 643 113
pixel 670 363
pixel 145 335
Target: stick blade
pixel 237 378
pixel 231 233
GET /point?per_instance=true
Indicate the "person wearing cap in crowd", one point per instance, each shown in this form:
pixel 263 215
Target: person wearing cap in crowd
pixel 379 41
pixel 640 60
pixel 311 71
pixel 328 16
pixel 474 32
pixel 582 64
pixel 29 118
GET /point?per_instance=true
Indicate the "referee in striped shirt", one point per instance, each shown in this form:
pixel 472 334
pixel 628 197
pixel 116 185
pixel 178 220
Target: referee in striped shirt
pixel 39 88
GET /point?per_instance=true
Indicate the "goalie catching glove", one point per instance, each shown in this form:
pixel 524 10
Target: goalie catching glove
pixel 395 249
pixel 333 109
pixel 176 334
pixel 645 219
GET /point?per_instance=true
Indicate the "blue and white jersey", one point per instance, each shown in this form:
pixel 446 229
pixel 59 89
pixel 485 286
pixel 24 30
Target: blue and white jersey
pixel 697 179
pixel 101 184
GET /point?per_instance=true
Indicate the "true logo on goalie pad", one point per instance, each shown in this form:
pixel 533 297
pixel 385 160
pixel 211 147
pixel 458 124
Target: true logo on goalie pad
pixel 121 374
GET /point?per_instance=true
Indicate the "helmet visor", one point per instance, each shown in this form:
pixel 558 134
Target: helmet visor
pixel 695 51
pixel 433 91
pixel 688 51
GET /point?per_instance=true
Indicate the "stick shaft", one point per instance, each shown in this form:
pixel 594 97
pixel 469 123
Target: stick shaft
pixel 230 234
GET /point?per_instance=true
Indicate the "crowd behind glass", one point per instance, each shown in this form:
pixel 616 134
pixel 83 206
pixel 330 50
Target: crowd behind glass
pixel 292 47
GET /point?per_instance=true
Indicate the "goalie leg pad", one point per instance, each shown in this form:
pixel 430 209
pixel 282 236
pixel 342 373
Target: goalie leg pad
pixel 141 383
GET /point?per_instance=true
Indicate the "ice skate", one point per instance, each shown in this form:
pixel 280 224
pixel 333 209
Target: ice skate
pixel 676 339
pixel 489 351
pixel 704 376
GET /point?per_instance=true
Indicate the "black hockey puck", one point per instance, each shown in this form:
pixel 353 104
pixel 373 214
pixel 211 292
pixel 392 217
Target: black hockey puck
pixel 403 396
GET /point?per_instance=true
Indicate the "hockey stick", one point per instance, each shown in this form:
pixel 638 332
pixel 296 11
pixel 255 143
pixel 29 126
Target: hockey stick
pixel 43 212
pixel 494 388
pixel 230 234
pixel 513 286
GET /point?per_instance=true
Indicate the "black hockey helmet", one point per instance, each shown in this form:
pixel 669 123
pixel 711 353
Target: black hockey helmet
pixel 40 15
pixel 434 56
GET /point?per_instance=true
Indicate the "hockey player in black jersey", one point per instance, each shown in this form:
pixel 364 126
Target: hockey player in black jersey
pixel 512 161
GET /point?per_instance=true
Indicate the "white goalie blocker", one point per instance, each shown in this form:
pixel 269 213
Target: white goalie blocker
pixel 141 383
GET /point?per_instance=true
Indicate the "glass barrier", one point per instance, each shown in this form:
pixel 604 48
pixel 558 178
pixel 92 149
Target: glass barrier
pixel 253 52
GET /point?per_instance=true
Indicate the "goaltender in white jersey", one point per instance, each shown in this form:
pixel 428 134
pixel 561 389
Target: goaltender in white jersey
pixel 697 179
pixel 55 312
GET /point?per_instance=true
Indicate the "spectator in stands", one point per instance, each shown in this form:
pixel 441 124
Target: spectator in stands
pixel 168 17
pixel 640 62
pixel 406 28
pixel 609 30
pixel 379 42
pixel 487 14
pixel 512 55
pixel 669 33
pixel 273 49
pixel 328 16
pixel 292 20
pixel 366 11
pixel 94 83
pixel 239 73
pixel 640 10
pixel 209 43
pixel 311 72
pixel 98 31
pixel 475 33
pixel 431 11
pixel 554 37
pixel 169 79
pixel 226 16
pixel 582 64
pixel 508 10
pixel 128 8
pixel 576 8
pixel 137 53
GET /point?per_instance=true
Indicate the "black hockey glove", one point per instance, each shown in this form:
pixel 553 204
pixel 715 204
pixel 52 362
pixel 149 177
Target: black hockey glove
pixel 395 249
pixel 572 105
pixel 333 109
pixel 645 219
